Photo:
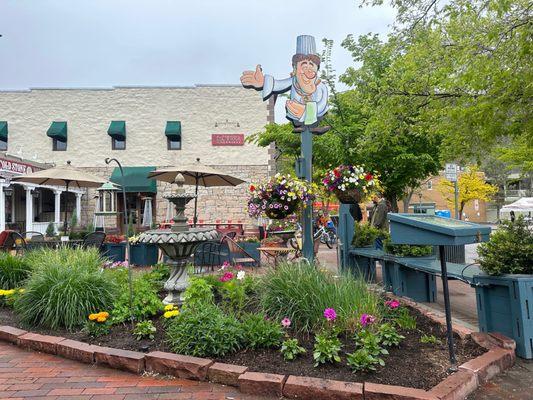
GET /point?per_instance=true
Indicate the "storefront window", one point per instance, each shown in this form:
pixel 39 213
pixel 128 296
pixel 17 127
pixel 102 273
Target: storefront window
pixel 174 143
pixel 117 144
pixel 58 145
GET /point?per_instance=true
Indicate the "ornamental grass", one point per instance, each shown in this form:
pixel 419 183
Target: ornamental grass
pixel 65 287
pixel 14 270
pixel 301 293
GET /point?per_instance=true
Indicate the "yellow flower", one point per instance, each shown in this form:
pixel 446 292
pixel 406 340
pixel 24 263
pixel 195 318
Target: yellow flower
pixel 101 319
pixel 169 307
pixel 92 317
pixel 104 314
pixel 170 314
pixel 22 290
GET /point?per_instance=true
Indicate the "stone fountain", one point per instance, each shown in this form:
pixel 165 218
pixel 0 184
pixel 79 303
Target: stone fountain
pixel 178 243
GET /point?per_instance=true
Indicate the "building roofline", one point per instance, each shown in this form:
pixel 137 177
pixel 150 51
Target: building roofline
pixel 195 86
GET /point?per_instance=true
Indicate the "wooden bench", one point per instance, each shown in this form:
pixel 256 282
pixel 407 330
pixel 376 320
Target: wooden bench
pixel 413 277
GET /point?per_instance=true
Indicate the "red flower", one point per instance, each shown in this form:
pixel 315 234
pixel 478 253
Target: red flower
pixel 336 172
pixel 252 188
pixel 368 177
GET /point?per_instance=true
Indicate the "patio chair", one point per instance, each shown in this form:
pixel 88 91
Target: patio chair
pixel 12 241
pixel 94 239
pixel 237 255
pixel 210 254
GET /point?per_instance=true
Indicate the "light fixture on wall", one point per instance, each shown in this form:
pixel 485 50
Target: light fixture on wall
pixel 227 123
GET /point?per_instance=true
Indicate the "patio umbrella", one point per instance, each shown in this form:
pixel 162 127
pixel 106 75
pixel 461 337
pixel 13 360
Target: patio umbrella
pixel 65 175
pixel 196 174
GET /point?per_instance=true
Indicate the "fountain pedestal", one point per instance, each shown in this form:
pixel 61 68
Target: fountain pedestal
pixel 178 243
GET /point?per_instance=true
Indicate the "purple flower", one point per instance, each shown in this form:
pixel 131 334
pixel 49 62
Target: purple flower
pixel 366 319
pixel 330 314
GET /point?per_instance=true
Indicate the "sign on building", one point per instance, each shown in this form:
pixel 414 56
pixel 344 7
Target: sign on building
pixel 223 139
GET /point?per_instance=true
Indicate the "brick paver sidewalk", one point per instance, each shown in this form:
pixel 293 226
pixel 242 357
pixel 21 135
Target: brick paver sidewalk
pixel 32 375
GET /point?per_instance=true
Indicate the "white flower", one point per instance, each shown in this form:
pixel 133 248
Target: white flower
pixel 240 275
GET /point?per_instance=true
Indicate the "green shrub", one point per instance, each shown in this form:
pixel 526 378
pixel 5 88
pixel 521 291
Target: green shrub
pixel 509 250
pixel 13 271
pixel 301 292
pixel 363 360
pixel 50 230
pixel 66 286
pixel 366 235
pixel 204 332
pixel 146 302
pixel 159 273
pixel 199 292
pixel 144 329
pixel 290 349
pixel 388 336
pixel 406 250
pixel 326 349
pixel 260 332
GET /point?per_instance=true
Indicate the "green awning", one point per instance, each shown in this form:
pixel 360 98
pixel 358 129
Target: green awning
pixel 173 129
pixel 3 131
pixel 117 130
pixel 58 130
pixel 135 179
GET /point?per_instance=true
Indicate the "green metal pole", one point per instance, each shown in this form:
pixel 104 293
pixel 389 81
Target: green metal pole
pixel 307 155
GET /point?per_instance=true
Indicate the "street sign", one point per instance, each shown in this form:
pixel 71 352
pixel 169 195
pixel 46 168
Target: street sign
pixel 451 172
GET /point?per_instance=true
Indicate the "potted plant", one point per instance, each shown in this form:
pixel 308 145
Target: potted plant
pixel 272 241
pixel 504 292
pixel 349 183
pixel 279 197
pixel 142 254
pixel 115 248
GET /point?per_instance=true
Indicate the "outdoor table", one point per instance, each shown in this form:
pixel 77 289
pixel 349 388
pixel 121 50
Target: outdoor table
pixel 276 254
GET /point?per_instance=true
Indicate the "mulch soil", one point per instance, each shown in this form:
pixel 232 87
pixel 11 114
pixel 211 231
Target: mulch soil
pixel 412 364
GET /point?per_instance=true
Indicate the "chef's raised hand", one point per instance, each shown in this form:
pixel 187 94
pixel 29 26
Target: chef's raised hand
pixel 254 79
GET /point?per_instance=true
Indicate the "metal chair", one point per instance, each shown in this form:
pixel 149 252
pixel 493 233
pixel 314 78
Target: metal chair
pixel 94 239
pixel 12 241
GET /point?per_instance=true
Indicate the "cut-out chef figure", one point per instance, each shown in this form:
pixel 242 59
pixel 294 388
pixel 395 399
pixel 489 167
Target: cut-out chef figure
pixel 309 96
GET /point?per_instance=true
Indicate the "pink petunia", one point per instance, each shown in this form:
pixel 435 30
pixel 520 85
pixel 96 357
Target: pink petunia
pixel 285 322
pixel 228 276
pixel 366 319
pixel 392 304
pixel 330 314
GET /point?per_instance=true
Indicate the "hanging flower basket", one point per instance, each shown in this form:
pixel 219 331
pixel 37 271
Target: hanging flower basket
pixel 350 196
pixel 279 197
pixel 350 183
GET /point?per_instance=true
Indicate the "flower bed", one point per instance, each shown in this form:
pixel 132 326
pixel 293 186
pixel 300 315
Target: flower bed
pixel 340 330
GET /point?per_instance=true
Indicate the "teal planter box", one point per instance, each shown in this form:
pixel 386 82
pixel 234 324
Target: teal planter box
pixel 505 305
pixel 364 264
pixel 116 252
pixel 417 285
pixel 143 254
pixel 251 248
pixel 390 272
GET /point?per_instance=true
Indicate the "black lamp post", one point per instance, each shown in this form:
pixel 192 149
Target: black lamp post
pixel 127 255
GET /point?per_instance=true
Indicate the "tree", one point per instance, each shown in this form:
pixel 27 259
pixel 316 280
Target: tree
pixel 467 63
pixel 471 186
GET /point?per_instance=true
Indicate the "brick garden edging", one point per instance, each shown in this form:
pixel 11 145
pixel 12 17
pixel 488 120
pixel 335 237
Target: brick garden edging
pixel 499 357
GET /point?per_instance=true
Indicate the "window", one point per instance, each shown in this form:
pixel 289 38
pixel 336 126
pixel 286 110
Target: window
pixel 117 144
pixel 174 142
pixel 3 145
pixel 430 185
pixel 59 145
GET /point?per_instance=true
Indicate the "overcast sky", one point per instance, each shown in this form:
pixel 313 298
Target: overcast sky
pixel 103 43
